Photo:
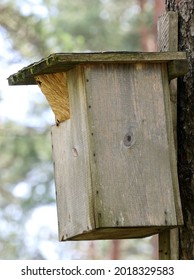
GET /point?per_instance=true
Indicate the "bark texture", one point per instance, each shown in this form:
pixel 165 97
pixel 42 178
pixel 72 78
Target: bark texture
pixel 186 126
pixel 170 5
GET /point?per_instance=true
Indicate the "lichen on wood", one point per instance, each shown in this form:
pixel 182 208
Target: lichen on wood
pixel 62 62
pixel 54 87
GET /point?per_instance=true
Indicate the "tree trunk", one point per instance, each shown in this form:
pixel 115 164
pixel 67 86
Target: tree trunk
pixel 159 7
pixel 185 125
pixel 144 29
pixel 115 250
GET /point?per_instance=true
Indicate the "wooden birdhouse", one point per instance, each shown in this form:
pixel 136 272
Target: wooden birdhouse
pixel 113 147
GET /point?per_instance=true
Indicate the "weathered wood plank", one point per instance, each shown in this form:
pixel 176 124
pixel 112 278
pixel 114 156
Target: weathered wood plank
pixel 129 144
pixel 164 248
pixel 177 69
pixel 106 153
pixel 61 62
pixel 168 32
pixel 72 166
pixel 172 154
pixel 117 233
pixel 168 41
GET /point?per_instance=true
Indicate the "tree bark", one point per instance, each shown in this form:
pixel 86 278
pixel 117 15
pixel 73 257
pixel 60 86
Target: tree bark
pixel 185 126
pixel 144 33
pixel 115 250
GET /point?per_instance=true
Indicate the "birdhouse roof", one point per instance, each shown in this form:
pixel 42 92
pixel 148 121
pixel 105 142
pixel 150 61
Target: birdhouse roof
pixel 61 62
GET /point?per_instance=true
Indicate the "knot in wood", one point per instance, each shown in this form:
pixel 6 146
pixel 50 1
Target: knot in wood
pixel 129 139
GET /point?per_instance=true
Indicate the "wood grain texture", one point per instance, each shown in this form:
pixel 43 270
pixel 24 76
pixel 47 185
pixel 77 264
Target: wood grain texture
pixel 54 87
pixel 62 62
pixel 177 69
pixel 172 154
pixel 164 248
pixel 168 40
pixel 72 166
pixel 112 168
pixel 168 32
pixel 129 180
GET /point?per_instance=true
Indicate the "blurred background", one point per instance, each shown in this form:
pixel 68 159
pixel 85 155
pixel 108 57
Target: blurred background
pixel 29 31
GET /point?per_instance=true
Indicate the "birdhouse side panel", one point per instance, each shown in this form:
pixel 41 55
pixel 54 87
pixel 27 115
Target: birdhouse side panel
pixel 72 166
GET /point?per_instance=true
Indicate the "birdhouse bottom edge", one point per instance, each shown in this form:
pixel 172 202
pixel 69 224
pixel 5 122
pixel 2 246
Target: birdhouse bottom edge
pixel 110 233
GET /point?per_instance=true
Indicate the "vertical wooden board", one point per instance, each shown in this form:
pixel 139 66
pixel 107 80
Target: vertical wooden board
pixel 168 32
pixel 133 184
pixel 164 250
pixel 168 41
pixel 61 141
pixel 173 158
pixel 72 168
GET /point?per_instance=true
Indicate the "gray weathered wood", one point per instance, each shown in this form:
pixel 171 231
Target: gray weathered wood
pixel 72 164
pixel 177 69
pixel 124 94
pixel 168 41
pixel 112 168
pixel 115 162
pixel 61 62
pixel 173 157
pixel 164 248
pixel 168 32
